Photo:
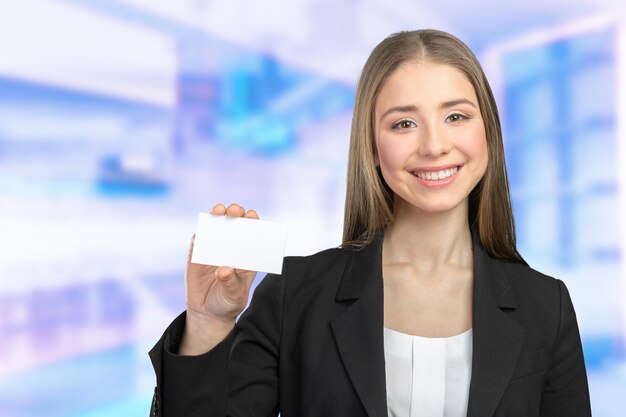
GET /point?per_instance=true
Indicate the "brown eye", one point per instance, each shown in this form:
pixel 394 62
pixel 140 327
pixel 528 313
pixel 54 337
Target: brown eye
pixel 456 117
pixel 404 124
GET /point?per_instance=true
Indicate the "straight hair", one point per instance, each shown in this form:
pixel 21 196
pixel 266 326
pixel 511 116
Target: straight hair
pixel 369 200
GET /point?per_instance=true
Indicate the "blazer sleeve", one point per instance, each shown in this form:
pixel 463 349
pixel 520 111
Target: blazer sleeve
pixel 238 377
pixel 188 385
pixel 253 374
pixel 566 392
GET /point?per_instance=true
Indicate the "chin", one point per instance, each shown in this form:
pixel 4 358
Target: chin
pixel 439 209
pixel 433 207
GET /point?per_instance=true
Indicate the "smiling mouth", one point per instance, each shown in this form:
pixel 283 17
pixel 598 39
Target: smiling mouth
pixel 436 175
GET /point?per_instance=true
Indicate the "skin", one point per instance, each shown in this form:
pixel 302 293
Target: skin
pixel 215 296
pixel 427 115
pixel 427 250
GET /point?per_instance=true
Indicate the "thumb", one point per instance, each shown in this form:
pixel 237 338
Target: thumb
pixel 225 274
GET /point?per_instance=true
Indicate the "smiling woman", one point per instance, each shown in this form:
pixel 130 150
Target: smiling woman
pixel 427 309
pixel 433 151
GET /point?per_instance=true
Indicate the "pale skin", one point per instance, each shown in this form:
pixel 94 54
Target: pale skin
pixel 426 115
pixel 215 296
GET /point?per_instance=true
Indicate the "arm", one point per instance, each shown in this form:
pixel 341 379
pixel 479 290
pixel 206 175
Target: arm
pixel 191 359
pixel 254 359
pixel 566 392
pixel 189 385
pixel 241 371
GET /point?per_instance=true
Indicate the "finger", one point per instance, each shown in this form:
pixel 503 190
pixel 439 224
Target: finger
pixel 251 214
pixel 219 209
pixel 231 281
pixel 235 278
pixel 235 210
pixel 224 273
pixel 246 275
pixel 193 239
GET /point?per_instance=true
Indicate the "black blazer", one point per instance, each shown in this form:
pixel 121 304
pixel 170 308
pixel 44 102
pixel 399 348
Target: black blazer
pixel 311 344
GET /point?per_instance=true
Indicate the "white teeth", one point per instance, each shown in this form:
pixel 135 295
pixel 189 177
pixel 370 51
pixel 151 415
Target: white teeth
pixel 437 175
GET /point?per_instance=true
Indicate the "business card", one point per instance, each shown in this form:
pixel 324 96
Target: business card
pixel 242 243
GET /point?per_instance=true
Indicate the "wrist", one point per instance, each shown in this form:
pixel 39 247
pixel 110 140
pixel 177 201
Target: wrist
pixel 203 332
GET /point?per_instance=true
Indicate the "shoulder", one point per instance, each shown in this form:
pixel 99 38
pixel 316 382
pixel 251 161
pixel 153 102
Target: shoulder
pixel 327 261
pixel 535 294
pixel 527 279
pixel 305 277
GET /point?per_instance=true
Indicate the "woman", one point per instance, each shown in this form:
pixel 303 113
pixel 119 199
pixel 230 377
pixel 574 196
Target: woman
pixel 427 308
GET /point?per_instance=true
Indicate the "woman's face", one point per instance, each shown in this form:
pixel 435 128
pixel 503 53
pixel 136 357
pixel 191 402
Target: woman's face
pixel 430 137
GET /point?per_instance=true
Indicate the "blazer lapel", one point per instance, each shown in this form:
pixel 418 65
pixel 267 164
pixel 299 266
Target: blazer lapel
pixel 358 331
pixel 497 339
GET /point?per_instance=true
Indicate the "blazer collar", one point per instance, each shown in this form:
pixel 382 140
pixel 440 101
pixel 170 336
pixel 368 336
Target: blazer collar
pixel 364 271
pixel 497 339
pixel 358 331
pixel 489 278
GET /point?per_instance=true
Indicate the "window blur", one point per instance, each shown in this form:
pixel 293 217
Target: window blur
pixel 121 120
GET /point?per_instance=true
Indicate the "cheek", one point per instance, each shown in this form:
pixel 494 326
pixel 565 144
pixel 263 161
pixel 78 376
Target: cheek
pixel 480 152
pixel 391 156
pixel 476 147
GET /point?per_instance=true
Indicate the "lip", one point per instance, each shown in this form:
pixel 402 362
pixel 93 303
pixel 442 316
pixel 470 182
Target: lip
pixel 436 183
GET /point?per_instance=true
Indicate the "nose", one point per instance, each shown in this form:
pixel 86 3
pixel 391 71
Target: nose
pixel 434 141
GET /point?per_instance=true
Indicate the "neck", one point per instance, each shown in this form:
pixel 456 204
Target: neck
pixel 429 240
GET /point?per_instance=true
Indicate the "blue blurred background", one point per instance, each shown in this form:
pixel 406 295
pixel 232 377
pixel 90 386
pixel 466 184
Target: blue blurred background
pixel 120 120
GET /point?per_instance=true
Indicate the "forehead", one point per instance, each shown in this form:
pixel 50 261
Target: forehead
pixel 424 84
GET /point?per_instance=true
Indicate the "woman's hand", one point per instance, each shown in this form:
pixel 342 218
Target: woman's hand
pixel 216 295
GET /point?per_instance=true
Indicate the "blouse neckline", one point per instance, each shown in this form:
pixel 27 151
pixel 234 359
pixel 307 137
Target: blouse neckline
pixel 402 334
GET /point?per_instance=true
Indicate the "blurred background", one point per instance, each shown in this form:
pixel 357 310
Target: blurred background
pixel 120 120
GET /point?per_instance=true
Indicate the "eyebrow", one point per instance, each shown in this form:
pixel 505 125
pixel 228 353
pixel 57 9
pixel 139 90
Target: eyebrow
pixel 411 108
pixel 398 109
pixel 456 102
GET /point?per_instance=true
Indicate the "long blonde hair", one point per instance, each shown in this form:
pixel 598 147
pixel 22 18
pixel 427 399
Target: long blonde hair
pixel 369 200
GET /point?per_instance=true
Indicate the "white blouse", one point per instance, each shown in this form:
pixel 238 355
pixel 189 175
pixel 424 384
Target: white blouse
pixel 427 377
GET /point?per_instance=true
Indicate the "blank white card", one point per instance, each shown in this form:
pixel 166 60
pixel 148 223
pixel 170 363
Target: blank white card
pixel 242 243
